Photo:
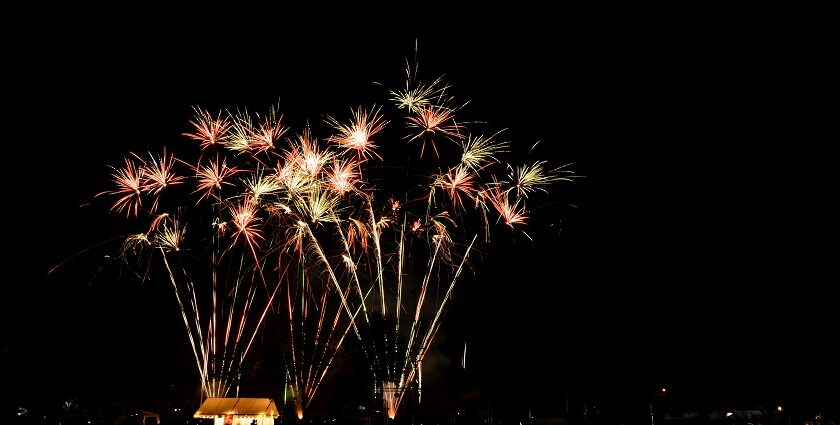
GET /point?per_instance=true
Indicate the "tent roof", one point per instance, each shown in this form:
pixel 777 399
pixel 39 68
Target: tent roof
pixel 214 406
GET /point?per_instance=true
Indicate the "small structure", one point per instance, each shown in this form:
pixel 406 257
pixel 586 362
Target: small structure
pixel 145 416
pixel 238 411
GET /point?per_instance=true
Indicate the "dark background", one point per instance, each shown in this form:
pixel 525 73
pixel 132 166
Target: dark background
pixel 693 255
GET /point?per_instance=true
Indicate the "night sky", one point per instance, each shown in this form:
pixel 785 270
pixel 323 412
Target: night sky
pixel 690 255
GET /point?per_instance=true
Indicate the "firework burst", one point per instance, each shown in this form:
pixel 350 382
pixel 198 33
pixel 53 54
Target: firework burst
pixel 416 94
pixel 128 180
pixel 208 130
pixel 304 227
pixel 432 123
pixel 356 136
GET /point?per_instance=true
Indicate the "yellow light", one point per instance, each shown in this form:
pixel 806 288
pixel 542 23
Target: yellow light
pixel 359 137
pixel 779 408
pixel 664 389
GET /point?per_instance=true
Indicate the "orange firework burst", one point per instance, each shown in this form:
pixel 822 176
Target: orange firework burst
pixel 128 180
pixel 510 213
pixel 457 181
pixel 244 217
pixel 209 130
pixel 210 178
pixel 308 156
pixel 356 136
pixel 432 122
pixel 263 136
pixel 342 176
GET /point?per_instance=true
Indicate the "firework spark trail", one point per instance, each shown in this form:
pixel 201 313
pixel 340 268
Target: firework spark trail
pixel 306 208
pixel 375 236
pixel 329 268
pixel 293 351
pixel 313 364
pixel 201 370
pixel 425 285
pixel 318 329
pixel 400 262
pixel 197 318
pixel 313 357
pixel 434 325
pixel 325 353
pixel 332 356
pixel 419 307
pixel 306 353
pixel 216 367
pixel 351 265
pixel 262 317
pixel 363 298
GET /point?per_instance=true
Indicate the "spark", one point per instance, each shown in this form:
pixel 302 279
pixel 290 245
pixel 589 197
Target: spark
pixel 319 206
pixel 395 205
pixel 357 234
pixel 211 178
pixel 157 174
pixel 134 243
pixel 220 226
pixel 263 136
pixel 310 158
pixel 511 213
pixel 244 217
pixel 156 222
pixel 278 208
pixel 356 136
pixel 441 235
pixel 129 181
pixel 415 94
pixel 419 96
pixel 459 180
pixel 209 130
pixel 342 176
pixel 529 178
pixel 241 133
pixel 480 151
pixel 170 236
pixel 297 182
pixel 259 185
pixel 433 121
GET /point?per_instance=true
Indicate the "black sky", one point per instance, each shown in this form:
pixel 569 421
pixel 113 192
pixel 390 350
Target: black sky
pixel 689 259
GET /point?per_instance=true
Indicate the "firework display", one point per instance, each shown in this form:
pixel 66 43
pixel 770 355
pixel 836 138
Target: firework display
pixel 326 228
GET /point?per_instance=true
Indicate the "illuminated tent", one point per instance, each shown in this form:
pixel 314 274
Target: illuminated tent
pixel 238 411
